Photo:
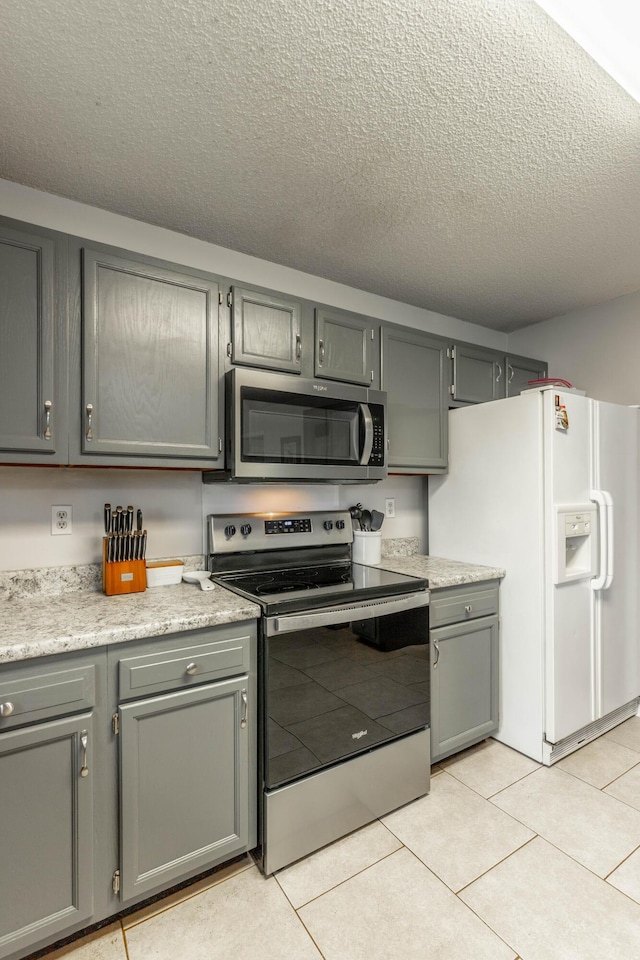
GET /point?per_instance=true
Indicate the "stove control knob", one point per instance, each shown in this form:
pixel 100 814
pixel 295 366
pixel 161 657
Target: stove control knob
pixel 339 524
pixel 230 530
pixel 245 529
pixel 328 524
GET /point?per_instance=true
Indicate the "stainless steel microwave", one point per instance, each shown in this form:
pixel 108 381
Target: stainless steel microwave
pixel 280 427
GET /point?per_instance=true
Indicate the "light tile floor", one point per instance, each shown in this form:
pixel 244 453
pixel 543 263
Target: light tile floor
pixel 504 860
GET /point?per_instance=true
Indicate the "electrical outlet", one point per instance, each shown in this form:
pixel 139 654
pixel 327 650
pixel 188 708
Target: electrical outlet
pixel 61 520
pixel 390 507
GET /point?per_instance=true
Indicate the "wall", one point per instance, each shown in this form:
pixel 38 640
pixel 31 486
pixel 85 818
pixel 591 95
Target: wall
pixel 175 503
pixel 596 348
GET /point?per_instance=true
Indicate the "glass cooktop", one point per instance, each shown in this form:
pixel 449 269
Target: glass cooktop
pixel 307 587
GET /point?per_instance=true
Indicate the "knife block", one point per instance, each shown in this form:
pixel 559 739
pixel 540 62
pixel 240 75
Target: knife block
pixel 122 576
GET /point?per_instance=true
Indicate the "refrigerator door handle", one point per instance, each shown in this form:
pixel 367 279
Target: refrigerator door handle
pixel 605 531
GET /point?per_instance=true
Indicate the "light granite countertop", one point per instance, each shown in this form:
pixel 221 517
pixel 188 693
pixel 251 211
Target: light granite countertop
pixel 45 612
pixel 441 572
pixel 38 626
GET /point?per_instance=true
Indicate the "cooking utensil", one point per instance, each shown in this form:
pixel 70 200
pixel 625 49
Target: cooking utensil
pixel 203 577
pixel 356 513
pixel 376 519
pixel 107 518
pixel 129 519
pixel 365 520
pixel 139 523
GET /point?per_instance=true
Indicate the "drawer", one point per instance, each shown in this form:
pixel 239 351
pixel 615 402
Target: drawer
pixel 454 605
pixel 53 693
pixel 184 666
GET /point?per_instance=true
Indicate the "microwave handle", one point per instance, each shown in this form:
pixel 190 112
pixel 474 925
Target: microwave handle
pixel 367 446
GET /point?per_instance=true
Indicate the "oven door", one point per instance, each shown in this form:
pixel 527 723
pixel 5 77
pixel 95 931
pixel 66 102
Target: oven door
pixel 341 681
pixel 284 428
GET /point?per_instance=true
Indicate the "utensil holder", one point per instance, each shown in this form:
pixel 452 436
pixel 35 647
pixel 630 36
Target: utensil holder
pixel 123 576
pixel 367 545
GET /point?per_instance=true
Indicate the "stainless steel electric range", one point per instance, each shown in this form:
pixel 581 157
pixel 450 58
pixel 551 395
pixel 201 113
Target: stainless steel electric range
pixel 343 677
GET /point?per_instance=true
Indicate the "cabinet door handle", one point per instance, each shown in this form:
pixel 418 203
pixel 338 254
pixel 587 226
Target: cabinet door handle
pixel 47 419
pixel 437 650
pixel 499 377
pixel 468 609
pixel 245 708
pixel 321 351
pixel 89 433
pixel 298 348
pixel 6 709
pixel 511 372
pixel 84 743
pixel 192 669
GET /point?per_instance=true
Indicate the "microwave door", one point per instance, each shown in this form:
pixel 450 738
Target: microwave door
pixel 367 444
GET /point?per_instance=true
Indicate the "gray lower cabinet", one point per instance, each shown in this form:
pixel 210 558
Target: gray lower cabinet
pixel 46 831
pixel 184 792
pixel 464 661
pixel 414 372
pixel 122 771
pixel 33 347
pixel 265 330
pixel 147 337
pixel 344 347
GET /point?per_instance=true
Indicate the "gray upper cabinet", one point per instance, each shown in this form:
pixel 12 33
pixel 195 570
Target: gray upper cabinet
pixel 414 372
pixel 46 836
pixel 33 345
pixel 520 370
pixel 265 330
pixel 149 348
pixel 344 346
pixel 478 374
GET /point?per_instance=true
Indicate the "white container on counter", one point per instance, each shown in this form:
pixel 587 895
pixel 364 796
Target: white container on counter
pixel 366 546
pixel 160 573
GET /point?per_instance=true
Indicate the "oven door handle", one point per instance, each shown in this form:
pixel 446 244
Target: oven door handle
pixel 345 613
pixel 367 445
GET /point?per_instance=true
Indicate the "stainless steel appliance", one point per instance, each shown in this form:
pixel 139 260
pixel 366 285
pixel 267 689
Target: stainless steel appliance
pixel 280 427
pixel 343 677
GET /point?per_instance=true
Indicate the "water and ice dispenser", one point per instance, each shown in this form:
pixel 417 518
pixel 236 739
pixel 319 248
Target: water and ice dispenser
pixel 577 548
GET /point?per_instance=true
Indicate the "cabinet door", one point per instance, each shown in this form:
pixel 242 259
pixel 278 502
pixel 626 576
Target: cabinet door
pixel 32 399
pixel 184 783
pixel 265 330
pixel 46 831
pixel 344 346
pixel 520 370
pixel 478 374
pixel 149 359
pixel 464 685
pixel 414 374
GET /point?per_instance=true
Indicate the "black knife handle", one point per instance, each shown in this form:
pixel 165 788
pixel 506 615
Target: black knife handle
pixel 107 518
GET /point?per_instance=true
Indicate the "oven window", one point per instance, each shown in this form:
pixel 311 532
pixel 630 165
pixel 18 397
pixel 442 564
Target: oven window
pixel 334 692
pixel 285 431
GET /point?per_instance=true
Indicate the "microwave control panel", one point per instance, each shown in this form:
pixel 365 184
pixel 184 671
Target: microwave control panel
pixel 377 450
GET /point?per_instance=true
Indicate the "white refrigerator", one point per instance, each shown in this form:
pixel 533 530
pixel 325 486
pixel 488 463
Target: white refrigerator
pixel 545 484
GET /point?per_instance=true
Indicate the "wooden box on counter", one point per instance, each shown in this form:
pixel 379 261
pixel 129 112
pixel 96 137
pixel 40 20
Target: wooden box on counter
pixel 123 576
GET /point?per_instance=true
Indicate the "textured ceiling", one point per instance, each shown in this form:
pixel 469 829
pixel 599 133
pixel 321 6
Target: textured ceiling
pixel 462 155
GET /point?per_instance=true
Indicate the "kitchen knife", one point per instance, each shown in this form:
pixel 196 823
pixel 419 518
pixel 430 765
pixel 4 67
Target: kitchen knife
pixel 129 519
pixel 139 521
pixel 107 518
pixel 117 527
pixel 144 544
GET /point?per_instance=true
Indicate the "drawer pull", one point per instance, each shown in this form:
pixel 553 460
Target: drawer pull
pixel 468 608
pixel 245 708
pixel 6 709
pixel 437 650
pixel 192 669
pixel 84 742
